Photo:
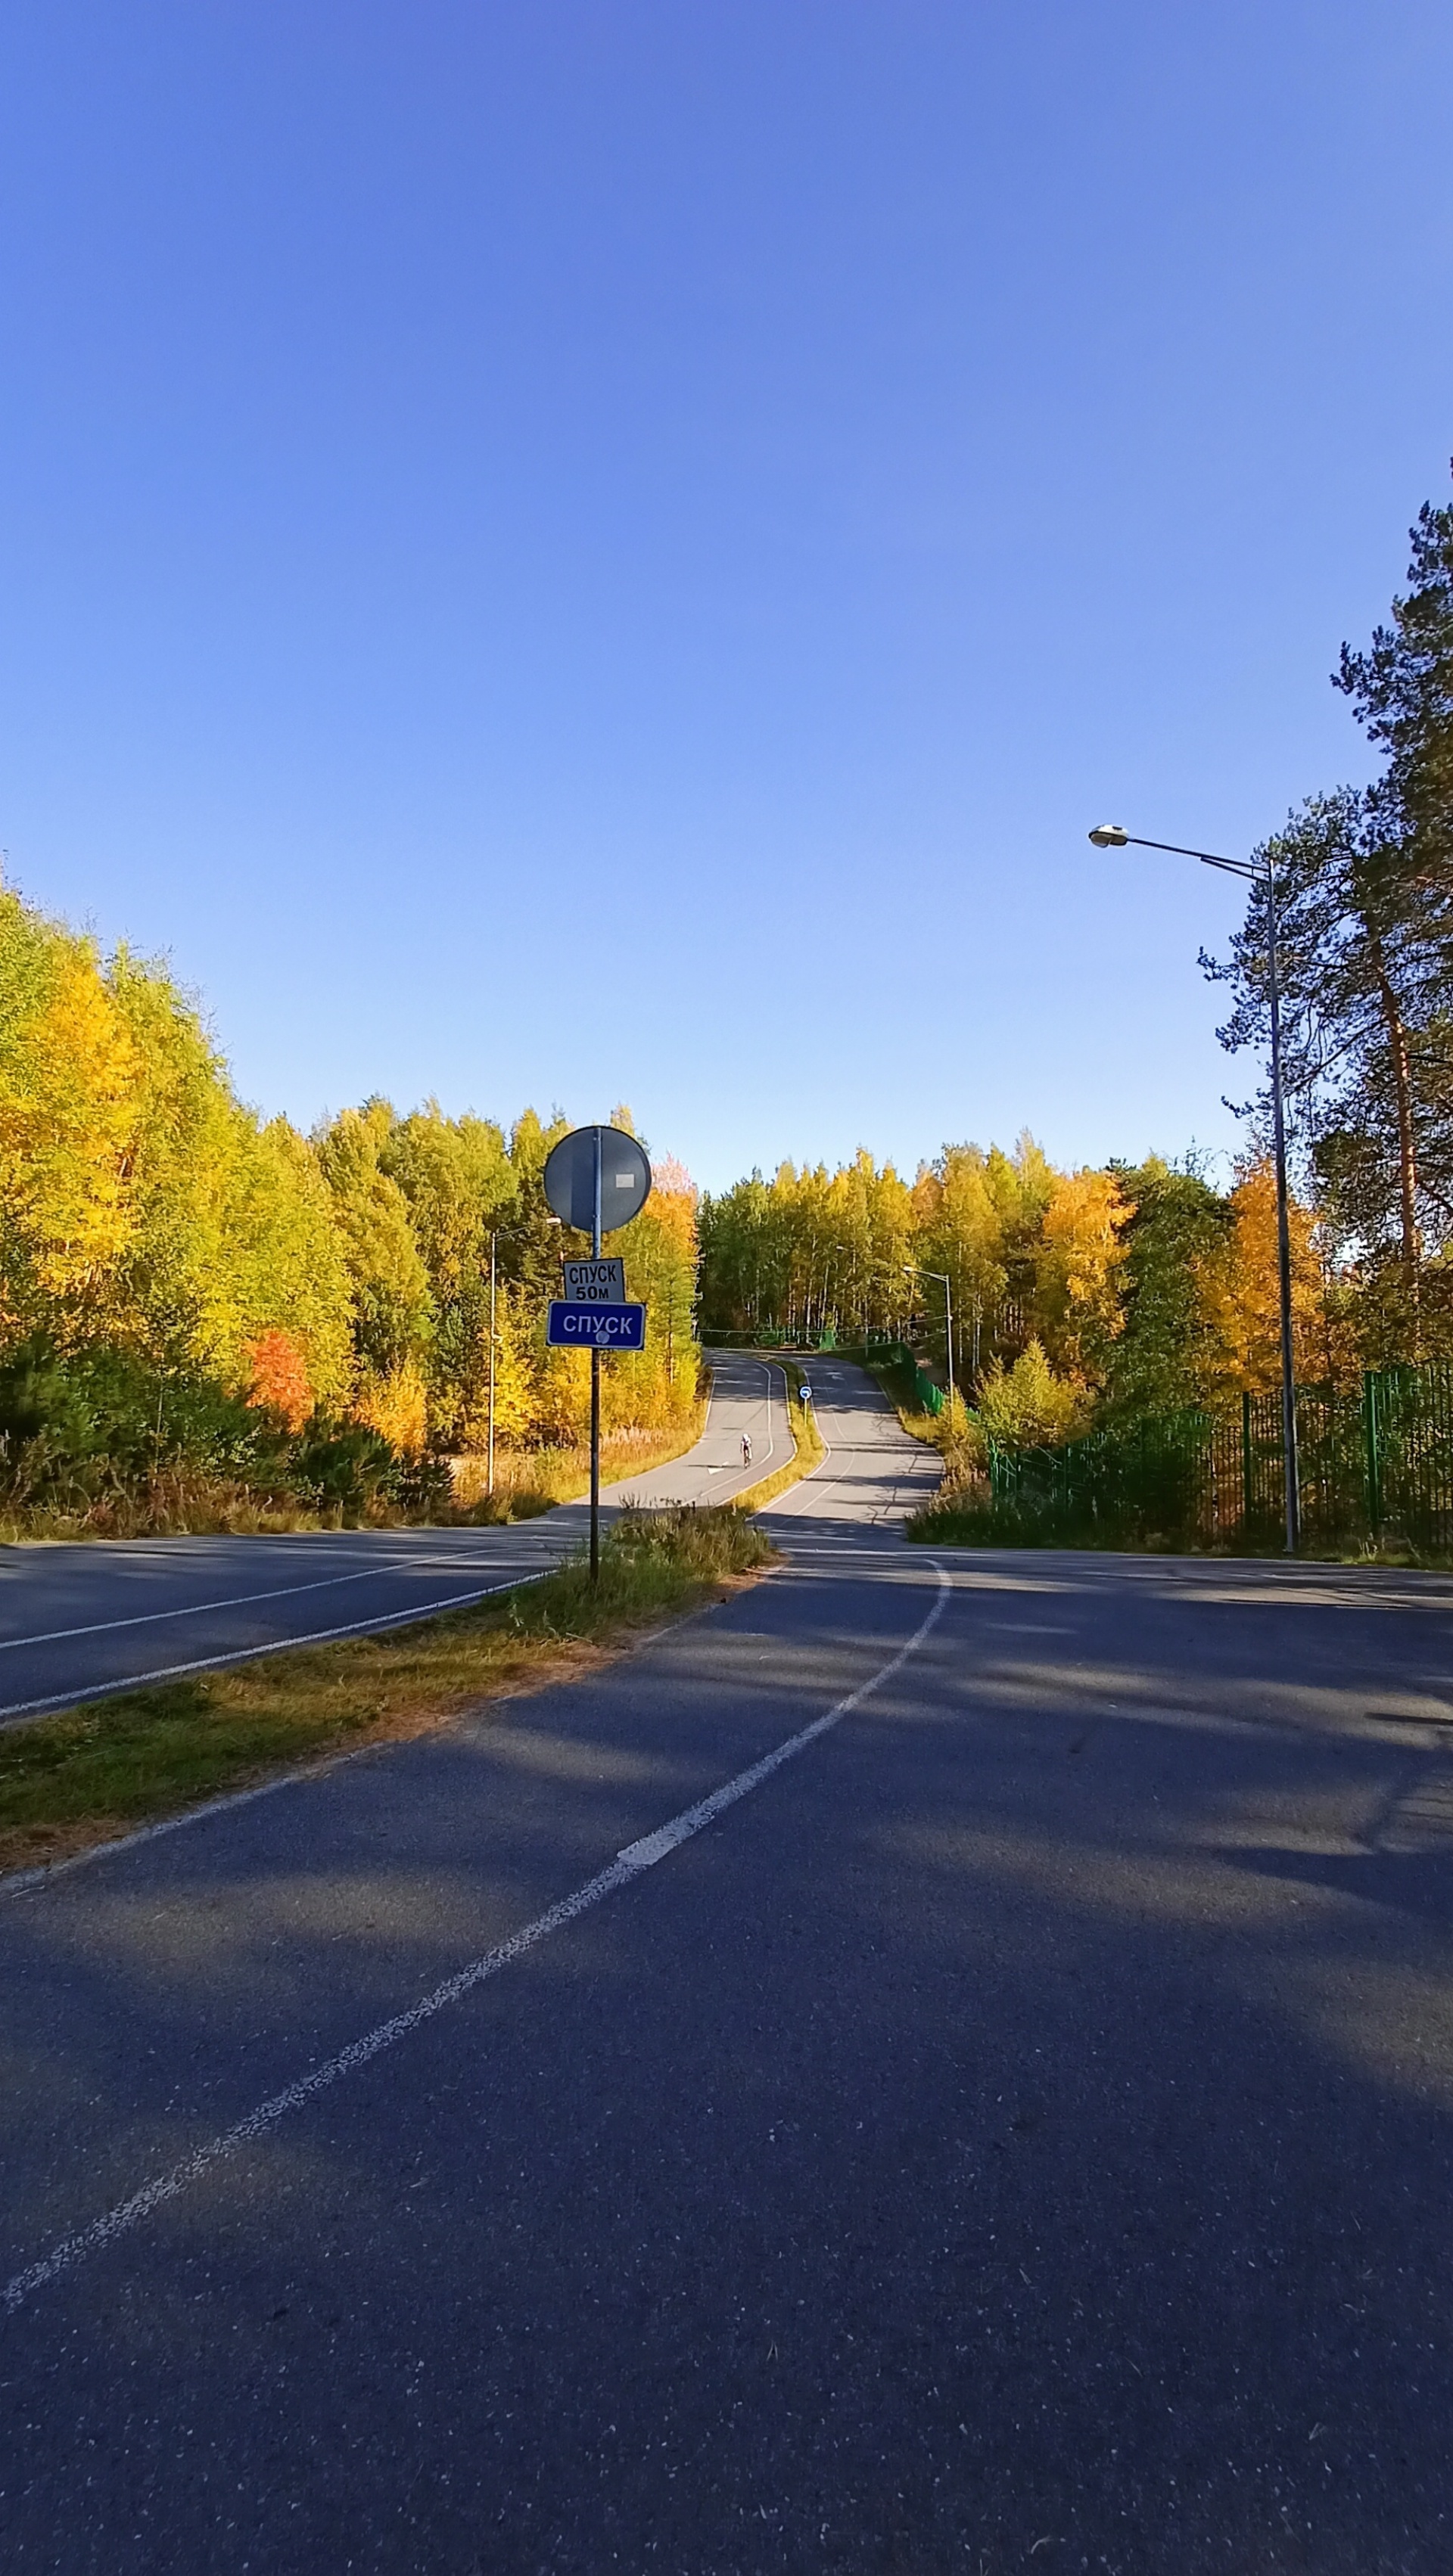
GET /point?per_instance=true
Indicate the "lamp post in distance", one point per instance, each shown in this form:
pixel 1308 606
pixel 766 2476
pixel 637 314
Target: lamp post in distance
pixel 1113 836
pixel 915 1269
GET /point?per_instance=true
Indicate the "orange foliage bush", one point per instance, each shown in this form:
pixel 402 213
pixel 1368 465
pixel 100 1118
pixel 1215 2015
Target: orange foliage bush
pixel 279 1381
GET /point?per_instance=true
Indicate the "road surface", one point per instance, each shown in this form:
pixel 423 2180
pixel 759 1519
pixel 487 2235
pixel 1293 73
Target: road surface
pixel 933 2065
pixel 77 1619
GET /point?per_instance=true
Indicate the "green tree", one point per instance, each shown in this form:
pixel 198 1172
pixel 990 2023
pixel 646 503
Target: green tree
pixel 1170 1354
pixel 1364 899
pixel 1401 689
pixel 393 1314
pixel 461 1189
pixel 1028 1406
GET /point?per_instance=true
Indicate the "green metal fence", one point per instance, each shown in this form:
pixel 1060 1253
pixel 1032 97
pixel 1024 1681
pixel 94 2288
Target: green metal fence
pixel 1374 1462
pixel 898 1356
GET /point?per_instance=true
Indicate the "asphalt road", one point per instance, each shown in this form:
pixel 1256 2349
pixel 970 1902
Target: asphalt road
pixel 77 1619
pixel 1008 2127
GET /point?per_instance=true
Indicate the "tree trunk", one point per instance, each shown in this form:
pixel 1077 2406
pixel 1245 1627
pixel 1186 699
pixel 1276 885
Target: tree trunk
pixel 1397 1039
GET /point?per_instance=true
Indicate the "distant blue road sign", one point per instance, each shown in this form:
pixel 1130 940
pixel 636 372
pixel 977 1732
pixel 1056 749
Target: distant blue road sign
pixel 596 1328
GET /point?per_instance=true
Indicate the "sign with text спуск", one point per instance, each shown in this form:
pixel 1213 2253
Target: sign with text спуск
pixel 595 1328
pixel 595 1283
pixel 596 1179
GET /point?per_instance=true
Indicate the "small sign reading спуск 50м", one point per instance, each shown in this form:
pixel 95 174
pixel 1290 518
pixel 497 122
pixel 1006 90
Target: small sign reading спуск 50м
pixel 595 1283
pixel 596 1179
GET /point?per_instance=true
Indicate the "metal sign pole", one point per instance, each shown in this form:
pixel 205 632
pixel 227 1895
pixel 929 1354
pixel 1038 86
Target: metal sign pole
pixel 1290 1477
pixel 491 1363
pixel 595 1396
pixel 596 1180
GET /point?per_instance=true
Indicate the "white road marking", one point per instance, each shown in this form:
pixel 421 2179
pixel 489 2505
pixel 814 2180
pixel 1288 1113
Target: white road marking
pixel 198 1609
pixel 788 1502
pixel 628 1865
pixel 81 1696
pixel 24 1882
pixel 388 1566
pixel 745 1477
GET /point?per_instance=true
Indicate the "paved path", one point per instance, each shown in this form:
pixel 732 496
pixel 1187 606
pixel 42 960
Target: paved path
pixel 91 1617
pixel 923 2068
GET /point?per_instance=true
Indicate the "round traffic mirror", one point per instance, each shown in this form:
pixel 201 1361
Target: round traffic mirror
pixel 625 1178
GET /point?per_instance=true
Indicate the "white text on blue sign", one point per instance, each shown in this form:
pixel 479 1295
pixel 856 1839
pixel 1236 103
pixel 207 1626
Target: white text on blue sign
pixel 599 1328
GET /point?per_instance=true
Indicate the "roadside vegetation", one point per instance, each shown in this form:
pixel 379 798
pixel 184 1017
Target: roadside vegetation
pixel 1128 1313
pixel 93 1772
pixel 211 1321
pixel 530 1481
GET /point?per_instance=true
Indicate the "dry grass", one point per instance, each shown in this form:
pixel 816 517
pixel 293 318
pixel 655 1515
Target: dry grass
pixel 528 1481
pixel 953 1434
pixel 185 1502
pixel 177 1503
pixel 96 1771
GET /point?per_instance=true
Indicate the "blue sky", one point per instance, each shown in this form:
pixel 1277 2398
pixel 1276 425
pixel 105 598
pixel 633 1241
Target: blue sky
pixel 570 552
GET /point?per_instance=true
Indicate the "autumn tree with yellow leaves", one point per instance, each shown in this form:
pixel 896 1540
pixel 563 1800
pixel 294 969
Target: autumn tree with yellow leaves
pixel 1077 1295
pixel 165 1253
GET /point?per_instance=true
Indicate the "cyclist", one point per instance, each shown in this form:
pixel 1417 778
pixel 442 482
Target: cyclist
pixel 746 1448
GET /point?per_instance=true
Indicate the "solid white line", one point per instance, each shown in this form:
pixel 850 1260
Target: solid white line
pixel 628 1865
pixel 198 1609
pixel 24 1882
pixel 770 1449
pixel 82 1695
pixel 241 1601
pixel 740 1479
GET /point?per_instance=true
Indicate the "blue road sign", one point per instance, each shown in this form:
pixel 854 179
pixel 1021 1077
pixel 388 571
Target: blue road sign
pixel 596 1328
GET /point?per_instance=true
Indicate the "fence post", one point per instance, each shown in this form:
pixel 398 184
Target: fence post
pixel 1373 1458
pixel 1245 1459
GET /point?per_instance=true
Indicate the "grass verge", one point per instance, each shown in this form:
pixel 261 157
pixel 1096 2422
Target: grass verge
pixel 98 1770
pixel 960 1522
pixel 810 1449
pixel 947 1432
pixel 529 1481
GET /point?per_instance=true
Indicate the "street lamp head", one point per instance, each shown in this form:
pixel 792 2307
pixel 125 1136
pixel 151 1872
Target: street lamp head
pixel 1109 836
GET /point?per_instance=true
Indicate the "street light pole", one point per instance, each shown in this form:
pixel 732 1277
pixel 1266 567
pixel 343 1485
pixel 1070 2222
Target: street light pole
pixel 1290 1470
pixel 492 1240
pixel 1111 836
pixel 595 1233
pixel 916 1268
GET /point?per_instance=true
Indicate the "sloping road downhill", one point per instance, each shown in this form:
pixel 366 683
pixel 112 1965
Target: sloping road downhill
pixel 918 2069
pixel 90 1618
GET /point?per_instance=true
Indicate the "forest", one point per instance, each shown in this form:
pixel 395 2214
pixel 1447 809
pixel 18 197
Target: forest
pixel 211 1318
pixel 1136 1291
pixel 206 1315
pixel 1074 1295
